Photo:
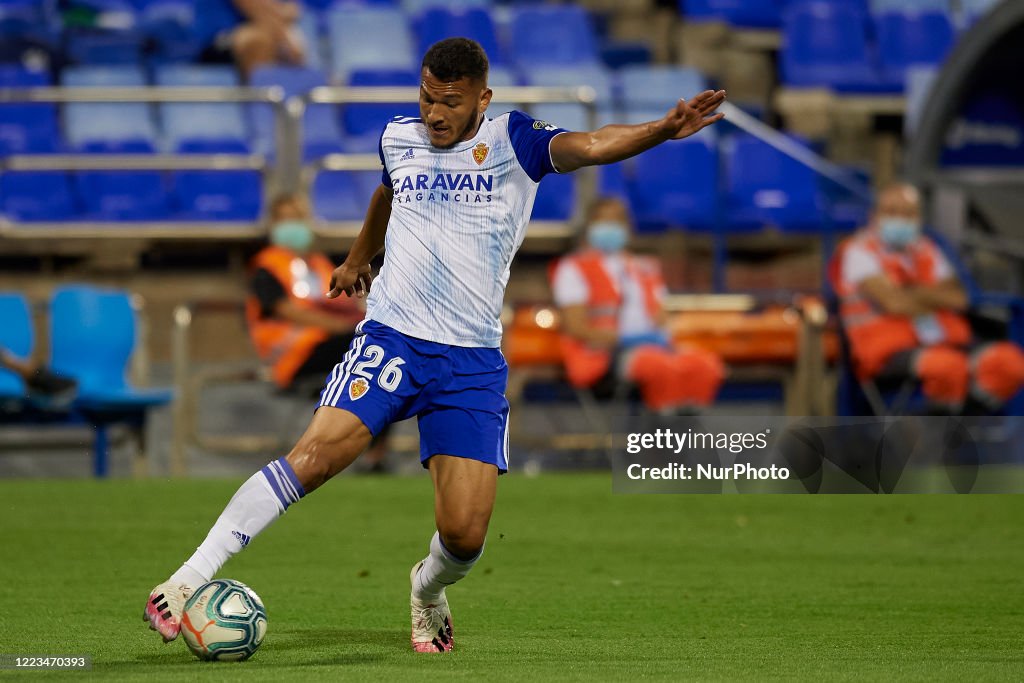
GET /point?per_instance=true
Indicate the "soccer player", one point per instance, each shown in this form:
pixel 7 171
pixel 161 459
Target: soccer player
pixel 456 196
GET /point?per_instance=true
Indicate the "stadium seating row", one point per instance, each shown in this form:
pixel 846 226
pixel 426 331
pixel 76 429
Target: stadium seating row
pixel 838 45
pixel 738 183
pixel 634 93
pixel 770 13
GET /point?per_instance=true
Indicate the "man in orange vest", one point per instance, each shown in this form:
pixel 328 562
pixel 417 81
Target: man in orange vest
pixel 612 318
pixel 297 331
pixel 903 312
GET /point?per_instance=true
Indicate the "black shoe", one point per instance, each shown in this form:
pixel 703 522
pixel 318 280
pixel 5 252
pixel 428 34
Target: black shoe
pixel 56 388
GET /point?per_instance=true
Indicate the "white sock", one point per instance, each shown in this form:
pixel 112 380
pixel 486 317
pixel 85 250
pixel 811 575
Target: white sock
pixel 440 569
pixel 259 501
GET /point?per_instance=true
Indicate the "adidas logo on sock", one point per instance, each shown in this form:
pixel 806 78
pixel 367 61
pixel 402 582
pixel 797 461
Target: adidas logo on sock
pixel 407 155
pixel 242 538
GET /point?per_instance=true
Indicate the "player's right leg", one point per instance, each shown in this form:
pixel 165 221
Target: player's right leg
pixel 333 440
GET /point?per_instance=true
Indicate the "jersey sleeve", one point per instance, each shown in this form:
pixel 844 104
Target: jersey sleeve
pixel 531 141
pixel 385 176
pixel 943 268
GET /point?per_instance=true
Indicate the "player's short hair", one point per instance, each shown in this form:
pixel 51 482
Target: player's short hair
pixel 452 59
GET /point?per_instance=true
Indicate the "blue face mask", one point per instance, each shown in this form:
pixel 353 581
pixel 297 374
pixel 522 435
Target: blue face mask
pixel 898 232
pixel 294 235
pixel 608 236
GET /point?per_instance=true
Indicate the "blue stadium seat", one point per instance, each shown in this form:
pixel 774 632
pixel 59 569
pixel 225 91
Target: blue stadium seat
pixel 825 44
pixel 17 338
pixel 910 39
pixel 336 196
pixel 321 132
pixel 658 86
pixel 552 35
pixel 36 196
pixel 169 26
pixel 569 115
pixel 438 23
pixel 85 123
pixel 183 123
pixel 27 128
pixel 216 195
pixel 92 337
pixel 766 187
pixel 361 120
pixel 747 13
pixel 414 7
pixel 909 6
pixel 556 196
pixel 122 195
pixel 97 46
pixel 676 184
pixel 369 38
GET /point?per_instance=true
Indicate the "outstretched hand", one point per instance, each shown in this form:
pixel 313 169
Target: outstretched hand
pixel 687 118
pixel 352 280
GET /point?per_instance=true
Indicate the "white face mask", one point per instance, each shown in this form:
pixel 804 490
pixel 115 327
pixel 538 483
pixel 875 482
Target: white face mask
pixel 898 232
pixel 608 236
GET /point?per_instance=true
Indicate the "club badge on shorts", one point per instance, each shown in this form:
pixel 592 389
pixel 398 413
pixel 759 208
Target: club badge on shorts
pixel 357 388
pixel 480 152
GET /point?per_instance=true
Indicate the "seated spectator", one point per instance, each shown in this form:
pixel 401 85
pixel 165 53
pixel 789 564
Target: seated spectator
pixel 903 312
pixel 296 330
pixel 40 381
pixel 612 319
pixel 251 33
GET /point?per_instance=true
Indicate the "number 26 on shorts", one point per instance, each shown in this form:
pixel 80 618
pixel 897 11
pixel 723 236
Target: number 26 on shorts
pixel 389 377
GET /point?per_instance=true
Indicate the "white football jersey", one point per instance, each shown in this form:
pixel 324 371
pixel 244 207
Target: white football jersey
pixel 459 216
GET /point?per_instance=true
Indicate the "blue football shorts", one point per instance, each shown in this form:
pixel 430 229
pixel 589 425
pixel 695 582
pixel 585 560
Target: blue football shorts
pixel 457 393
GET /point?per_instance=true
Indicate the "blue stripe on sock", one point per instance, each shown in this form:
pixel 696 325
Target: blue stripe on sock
pixel 290 473
pixel 282 480
pixel 286 485
pixel 268 474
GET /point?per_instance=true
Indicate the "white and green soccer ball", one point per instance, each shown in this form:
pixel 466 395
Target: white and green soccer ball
pixel 224 620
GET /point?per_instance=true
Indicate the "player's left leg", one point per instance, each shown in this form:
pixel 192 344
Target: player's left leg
pixel 464 443
pixel 464 492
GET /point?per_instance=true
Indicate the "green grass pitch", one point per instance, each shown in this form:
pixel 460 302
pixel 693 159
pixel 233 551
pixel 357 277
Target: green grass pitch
pixel 575 584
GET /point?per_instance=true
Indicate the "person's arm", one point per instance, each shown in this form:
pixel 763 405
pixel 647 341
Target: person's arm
pixel 570 151
pixel 576 323
pixel 353 276
pixel 946 295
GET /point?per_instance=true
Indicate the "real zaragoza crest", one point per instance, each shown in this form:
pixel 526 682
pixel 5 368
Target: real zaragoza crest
pixel 357 388
pixel 480 152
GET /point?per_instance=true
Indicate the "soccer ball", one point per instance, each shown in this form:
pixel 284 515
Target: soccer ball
pixel 224 620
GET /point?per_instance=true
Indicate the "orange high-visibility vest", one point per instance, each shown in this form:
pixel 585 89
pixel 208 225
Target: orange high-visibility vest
pixel 585 365
pixel 876 336
pixel 282 344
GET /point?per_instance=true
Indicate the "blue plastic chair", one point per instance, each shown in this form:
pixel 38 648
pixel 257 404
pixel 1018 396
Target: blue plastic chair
pixel 747 13
pixel 218 122
pixel 370 119
pixel 569 115
pixel 37 196
pixel 676 184
pixel 658 86
pixel 413 7
pixel 111 122
pixel 825 44
pixel 16 338
pixel 320 124
pixel 122 195
pixel 169 26
pixel 911 39
pixel 766 187
pixel 336 196
pixel 26 128
pixel 438 23
pixel 216 195
pixel 374 37
pixel 552 35
pixel 92 333
pixel 555 198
